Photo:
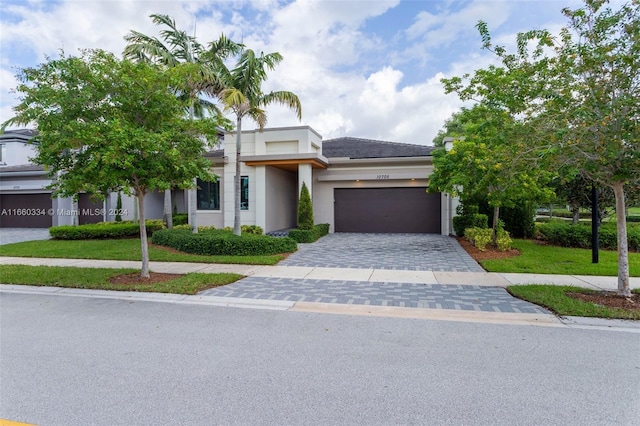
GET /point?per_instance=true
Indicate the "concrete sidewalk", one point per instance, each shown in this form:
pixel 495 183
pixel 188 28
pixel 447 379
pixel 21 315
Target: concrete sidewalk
pixel 485 279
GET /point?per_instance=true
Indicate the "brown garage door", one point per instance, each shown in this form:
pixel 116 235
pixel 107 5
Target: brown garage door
pixel 386 210
pixel 25 210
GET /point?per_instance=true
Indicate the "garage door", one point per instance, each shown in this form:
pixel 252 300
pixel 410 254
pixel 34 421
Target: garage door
pixel 25 210
pixel 386 210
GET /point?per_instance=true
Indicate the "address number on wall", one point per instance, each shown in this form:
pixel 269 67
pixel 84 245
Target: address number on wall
pixel 382 177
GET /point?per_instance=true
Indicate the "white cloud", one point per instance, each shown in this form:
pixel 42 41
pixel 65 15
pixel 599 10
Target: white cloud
pixel 332 60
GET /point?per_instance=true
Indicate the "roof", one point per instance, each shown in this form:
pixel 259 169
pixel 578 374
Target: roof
pixel 368 148
pixel 22 168
pixel 18 134
pixel 217 153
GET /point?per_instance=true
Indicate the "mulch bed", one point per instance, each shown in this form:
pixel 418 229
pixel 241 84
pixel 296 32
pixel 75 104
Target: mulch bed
pixel 610 300
pixel 488 254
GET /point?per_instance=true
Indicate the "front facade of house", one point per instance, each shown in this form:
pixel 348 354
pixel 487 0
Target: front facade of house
pixel 356 185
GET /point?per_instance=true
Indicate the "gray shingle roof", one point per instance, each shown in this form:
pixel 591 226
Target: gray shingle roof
pixel 368 148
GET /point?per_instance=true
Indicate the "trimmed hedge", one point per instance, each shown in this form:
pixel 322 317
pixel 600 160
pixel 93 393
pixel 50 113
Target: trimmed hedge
pixel 222 243
pixel 309 235
pixel 568 235
pixel 103 230
pixel 476 220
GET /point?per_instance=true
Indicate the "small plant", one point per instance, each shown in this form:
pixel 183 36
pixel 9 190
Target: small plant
pixel 251 229
pixel 119 208
pixel 305 209
pixel 479 237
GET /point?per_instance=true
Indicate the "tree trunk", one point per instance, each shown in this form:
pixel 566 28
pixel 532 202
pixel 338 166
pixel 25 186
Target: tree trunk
pixel 623 248
pixel 496 216
pixel 192 194
pixel 144 246
pixel 576 215
pixel 236 180
pixel 168 219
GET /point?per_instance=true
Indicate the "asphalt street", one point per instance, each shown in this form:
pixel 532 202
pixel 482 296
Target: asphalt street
pixel 96 361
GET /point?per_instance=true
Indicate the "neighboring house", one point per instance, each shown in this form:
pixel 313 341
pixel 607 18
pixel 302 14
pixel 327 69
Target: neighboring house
pixel 356 185
pixel 25 201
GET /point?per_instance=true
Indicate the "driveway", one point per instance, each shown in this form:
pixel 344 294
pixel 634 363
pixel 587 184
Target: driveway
pixel 18 235
pixel 414 252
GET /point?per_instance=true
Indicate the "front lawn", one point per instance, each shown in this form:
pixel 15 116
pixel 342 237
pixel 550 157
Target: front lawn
pixel 556 299
pixel 536 258
pixel 100 278
pixel 121 249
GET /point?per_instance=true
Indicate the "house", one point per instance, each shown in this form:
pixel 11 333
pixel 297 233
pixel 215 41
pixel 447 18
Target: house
pixel 25 201
pixel 356 185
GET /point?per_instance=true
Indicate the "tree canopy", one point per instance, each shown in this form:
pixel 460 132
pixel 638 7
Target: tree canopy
pixel 577 95
pixel 106 124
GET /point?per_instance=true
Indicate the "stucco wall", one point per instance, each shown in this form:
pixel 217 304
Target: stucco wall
pixel 281 199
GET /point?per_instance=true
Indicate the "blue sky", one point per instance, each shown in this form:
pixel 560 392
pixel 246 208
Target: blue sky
pixel 361 68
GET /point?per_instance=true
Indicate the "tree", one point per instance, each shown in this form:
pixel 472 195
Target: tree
pixel 243 95
pixel 594 101
pixel 489 161
pixel 175 48
pixel 578 96
pixel 110 125
pixel 305 209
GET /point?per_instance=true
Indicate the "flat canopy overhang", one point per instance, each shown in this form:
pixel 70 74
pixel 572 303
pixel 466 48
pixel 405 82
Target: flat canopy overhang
pixel 288 162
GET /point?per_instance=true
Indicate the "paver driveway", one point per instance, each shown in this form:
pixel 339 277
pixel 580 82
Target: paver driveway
pixel 18 235
pixel 416 252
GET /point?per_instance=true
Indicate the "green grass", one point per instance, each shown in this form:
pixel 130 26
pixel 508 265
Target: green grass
pixel 554 298
pixel 545 259
pixel 121 249
pixel 98 278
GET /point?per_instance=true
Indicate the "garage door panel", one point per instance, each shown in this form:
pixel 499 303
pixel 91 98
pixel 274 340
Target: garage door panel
pixel 387 210
pixel 25 210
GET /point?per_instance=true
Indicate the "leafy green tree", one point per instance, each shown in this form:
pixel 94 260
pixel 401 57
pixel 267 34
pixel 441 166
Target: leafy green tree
pixel 491 161
pixel 244 96
pixel 305 209
pixel 110 125
pixel 580 99
pixel 177 47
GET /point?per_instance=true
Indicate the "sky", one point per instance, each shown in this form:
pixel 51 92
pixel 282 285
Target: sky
pixel 361 68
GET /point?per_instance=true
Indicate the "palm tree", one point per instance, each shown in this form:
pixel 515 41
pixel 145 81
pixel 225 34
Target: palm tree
pixel 177 47
pixel 243 95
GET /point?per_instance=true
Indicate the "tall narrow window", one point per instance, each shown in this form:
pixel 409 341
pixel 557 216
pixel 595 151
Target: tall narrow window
pixel 3 153
pixel 208 195
pixel 244 192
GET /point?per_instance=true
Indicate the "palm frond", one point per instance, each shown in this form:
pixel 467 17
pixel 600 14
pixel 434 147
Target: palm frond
pixel 284 98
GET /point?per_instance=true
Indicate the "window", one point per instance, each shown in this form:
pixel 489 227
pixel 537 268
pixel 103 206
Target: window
pixel 208 195
pixel 244 192
pixel 3 153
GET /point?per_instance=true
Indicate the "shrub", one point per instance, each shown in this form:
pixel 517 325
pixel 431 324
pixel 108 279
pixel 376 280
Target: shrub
pixel 119 208
pixel 104 230
pixel 305 209
pixel 479 237
pixel 309 235
pixel 251 229
pixel 568 235
pixel 476 220
pixel 180 218
pixel 223 243
pixel 519 220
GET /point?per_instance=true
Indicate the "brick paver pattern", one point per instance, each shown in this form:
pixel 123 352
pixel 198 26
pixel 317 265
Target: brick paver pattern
pixel 434 296
pixel 414 252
